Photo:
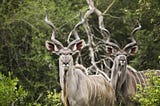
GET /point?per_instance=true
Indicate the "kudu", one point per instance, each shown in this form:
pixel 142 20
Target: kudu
pixel 78 88
pixel 123 79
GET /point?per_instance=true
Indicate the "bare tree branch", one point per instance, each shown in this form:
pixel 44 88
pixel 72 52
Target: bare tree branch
pixel 109 7
pixel 105 33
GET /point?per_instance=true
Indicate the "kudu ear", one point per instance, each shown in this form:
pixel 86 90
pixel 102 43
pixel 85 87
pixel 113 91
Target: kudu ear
pixel 77 45
pixel 132 50
pixel 109 50
pixel 52 47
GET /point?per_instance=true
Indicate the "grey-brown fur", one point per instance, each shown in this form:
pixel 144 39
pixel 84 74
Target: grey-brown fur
pixel 78 88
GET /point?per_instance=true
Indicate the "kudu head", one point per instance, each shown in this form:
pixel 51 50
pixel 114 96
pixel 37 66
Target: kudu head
pixel 120 58
pixel 65 53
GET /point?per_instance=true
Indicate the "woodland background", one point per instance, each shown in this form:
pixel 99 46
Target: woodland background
pixel 28 72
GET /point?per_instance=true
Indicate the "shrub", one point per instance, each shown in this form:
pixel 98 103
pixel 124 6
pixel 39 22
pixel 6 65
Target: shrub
pixel 150 95
pixel 10 92
pixel 53 99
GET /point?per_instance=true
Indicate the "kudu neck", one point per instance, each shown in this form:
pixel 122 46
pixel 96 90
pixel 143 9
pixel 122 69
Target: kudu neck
pixel 65 70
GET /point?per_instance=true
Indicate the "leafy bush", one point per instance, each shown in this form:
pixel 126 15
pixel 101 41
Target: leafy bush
pixel 10 92
pixel 150 95
pixel 53 99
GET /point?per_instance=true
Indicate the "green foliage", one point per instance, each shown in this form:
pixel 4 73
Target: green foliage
pixel 148 38
pixel 24 32
pixel 10 91
pixel 150 95
pixel 53 99
pixel 22 40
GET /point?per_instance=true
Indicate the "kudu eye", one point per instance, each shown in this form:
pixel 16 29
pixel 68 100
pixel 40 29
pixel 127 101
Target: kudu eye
pixel 70 53
pixel 117 54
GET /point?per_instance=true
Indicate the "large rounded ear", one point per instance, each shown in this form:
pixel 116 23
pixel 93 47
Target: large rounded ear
pixel 110 50
pixel 77 45
pixel 132 50
pixel 52 47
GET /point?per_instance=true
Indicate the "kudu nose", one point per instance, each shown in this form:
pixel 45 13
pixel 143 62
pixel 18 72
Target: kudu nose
pixel 65 64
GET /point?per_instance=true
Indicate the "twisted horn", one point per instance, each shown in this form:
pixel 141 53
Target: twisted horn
pixel 53 30
pixel 74 31
pixel 133 43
